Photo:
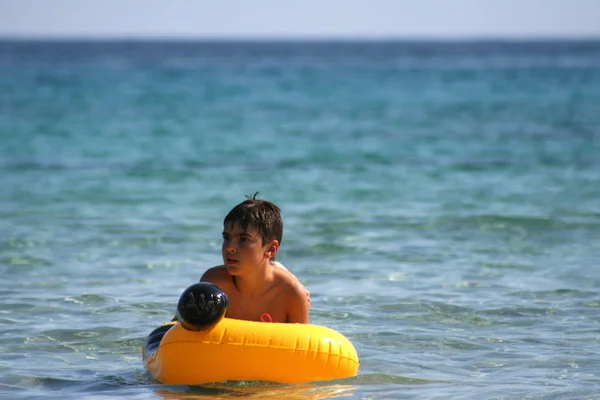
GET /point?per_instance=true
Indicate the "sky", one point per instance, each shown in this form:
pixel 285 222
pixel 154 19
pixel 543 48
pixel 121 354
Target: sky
pixel 441 19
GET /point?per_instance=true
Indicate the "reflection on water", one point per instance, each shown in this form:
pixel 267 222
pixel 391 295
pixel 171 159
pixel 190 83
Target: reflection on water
pixel 259 391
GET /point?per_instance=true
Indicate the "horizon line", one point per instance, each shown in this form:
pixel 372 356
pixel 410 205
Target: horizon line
pixel 300 38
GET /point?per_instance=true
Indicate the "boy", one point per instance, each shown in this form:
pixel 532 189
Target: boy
pixel 258 288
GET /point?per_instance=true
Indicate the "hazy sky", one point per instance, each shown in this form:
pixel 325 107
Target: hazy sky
pixel 300 18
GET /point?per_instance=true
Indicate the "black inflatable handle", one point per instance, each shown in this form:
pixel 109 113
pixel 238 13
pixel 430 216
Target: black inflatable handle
pixel 201 306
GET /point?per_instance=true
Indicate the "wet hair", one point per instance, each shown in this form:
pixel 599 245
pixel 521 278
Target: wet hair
pixel 262 215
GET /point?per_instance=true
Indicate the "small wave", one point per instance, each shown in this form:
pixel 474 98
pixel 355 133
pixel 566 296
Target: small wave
pixel 497 220
pixel 519 311
pixel 24 261
pixel 91 299
pixel 26 382
pixel 65 335
pixel 556 294
pixel 387 379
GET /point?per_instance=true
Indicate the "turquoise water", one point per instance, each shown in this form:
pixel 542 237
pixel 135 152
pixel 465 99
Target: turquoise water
pixel 441 203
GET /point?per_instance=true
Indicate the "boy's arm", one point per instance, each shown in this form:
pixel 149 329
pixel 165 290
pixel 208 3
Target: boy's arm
pixel 298 304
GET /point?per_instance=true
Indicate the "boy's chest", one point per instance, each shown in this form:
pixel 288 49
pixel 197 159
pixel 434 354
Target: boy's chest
pixel 270 307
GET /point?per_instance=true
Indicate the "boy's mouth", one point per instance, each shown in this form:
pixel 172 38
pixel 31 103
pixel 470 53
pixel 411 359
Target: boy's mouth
pixel 231 261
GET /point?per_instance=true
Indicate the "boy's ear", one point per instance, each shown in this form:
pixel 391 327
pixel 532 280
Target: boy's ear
pixel 272 248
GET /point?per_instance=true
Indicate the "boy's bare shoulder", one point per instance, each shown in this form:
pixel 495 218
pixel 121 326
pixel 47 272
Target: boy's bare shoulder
pixel 291 285
pixel 216 275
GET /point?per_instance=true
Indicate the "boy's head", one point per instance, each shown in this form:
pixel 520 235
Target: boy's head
pixel 261 215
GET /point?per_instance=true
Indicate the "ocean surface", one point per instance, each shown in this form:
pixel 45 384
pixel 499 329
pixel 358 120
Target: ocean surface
pixel 441 204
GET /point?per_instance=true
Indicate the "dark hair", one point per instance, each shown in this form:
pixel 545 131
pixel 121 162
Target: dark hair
pixel 260 214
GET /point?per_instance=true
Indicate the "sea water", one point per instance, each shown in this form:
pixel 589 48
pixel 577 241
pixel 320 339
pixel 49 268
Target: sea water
pixel 441 203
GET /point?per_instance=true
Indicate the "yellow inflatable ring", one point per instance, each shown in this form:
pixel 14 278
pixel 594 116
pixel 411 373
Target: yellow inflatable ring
pixel 234 349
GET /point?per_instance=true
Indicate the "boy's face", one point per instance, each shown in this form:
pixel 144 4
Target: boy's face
pixel 243 250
